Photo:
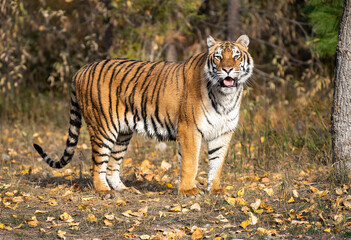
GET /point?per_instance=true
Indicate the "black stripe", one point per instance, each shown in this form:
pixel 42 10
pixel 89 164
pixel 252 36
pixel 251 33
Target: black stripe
pixel 99 98
pixel 197 127
pixel 214 150
pixel 211 159
pixel 119 151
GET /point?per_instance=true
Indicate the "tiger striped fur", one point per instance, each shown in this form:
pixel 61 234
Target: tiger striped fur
pixel 190 101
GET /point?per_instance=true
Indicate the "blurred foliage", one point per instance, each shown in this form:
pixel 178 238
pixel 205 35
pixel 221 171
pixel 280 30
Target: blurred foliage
pixel 44 42
pixel 325 17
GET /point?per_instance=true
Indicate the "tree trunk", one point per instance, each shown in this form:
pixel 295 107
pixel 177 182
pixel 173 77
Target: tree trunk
pixel 171 52
pixel 233 18
pixel 341 111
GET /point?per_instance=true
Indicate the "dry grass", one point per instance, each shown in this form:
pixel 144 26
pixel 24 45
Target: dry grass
pixel 277 149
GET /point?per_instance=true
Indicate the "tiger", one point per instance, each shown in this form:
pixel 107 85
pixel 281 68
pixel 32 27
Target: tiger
pixel 198 99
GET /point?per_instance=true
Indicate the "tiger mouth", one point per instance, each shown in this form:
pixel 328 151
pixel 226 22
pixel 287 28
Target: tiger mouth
pixel 229 82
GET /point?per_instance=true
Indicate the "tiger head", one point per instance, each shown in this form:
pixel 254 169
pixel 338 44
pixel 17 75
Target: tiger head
pixel 229 64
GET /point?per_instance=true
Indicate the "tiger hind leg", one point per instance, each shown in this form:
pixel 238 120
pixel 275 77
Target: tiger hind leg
pixel 101 151
pixel 115 161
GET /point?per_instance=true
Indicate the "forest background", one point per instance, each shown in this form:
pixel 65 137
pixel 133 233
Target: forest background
pixel 285 117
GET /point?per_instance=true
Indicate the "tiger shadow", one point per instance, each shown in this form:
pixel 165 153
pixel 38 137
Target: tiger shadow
pixel 85 183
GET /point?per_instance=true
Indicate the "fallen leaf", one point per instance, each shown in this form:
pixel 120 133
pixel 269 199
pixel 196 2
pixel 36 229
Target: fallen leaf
pixel 195 207
pixel 144 237
pixel 39 212
pixel 197 233
pixel 66 217
pixel 241 192
pixel 120 203
pixel 314 189
pixel 245 223
pixel 222 219
pixel 108 222
pixel 338 219
pixel 291 200
pixel 109 216
pixel 253 219
pixel 339 191
pixel 256 204
pixel 269 191
pixel 165 165
pixel 177 208
pixel 292 213
pixel 61 234
pixel 127 213
pixel 32 222
pixel 91 218
pixel 295 194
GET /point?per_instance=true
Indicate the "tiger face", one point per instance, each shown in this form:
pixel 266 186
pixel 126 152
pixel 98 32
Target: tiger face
pixel 229 64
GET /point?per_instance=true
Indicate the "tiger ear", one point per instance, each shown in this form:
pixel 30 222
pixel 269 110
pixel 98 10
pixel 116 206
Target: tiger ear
pixel 243 40
pixel 210 41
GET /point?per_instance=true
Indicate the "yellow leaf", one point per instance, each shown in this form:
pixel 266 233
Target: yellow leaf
pixel 19 226
pixel 39 211
pixel 292 213
pixel 52 202
pixel 322 193
pixel 262 139
pixel 197 234
pixel 120 203
pixel 177 208
pixel 241 192
pixel 127 213
pixel 91 218
pixel 32 222
pixel 231 200
pixel 82 206
pixel 245 223
pixel 169 185
pixel 61 234
pixel 314 189
pixel 229 187
pixel 108 222
pixel 291 200
pixel 66 217
pixel 327 230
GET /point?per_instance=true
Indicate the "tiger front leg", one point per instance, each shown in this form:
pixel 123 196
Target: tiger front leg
pixel 189 142
pixel 217 150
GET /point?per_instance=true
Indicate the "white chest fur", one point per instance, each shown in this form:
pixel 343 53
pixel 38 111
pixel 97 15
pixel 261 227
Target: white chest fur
pixel 220 113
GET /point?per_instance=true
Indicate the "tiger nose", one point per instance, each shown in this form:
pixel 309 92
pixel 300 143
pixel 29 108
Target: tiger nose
pixel 227 69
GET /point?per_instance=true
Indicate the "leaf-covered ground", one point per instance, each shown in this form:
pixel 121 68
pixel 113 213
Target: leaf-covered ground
pixel 278 182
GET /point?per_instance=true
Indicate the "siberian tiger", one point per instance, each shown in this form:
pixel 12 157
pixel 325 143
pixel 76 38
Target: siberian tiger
pixel 190 101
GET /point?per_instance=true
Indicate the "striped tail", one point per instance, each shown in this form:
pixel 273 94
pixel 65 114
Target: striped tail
pixel 73 134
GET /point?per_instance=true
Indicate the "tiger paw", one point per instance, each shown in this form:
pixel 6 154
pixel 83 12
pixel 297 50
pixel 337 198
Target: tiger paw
pixel 189 192
pixel 219 192
pixel 107 194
